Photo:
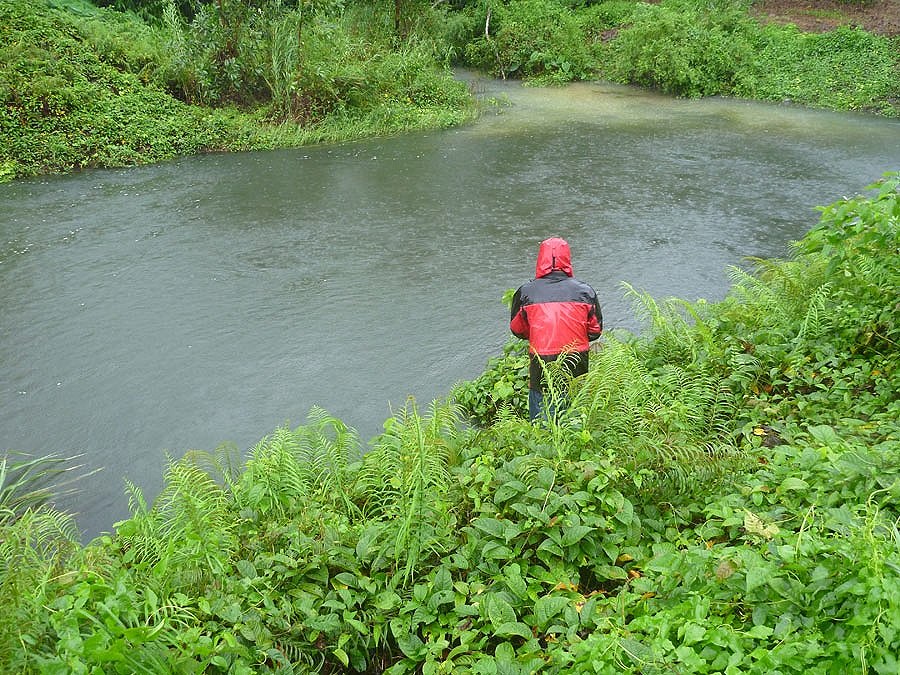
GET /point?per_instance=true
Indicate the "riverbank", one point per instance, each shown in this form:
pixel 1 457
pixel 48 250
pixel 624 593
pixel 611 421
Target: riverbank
pixel 84 87
pixel 723 494
pixel 880 17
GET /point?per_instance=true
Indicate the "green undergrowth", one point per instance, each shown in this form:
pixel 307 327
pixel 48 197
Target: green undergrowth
pixel 720 496
pixel 695 49
pixel 86 87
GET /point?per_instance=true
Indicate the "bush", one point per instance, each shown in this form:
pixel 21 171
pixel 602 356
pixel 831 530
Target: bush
pixel 533 39
pixel 845 69
pixel 501 389
pixel 615 539
pixel 682 50
pixel 84 87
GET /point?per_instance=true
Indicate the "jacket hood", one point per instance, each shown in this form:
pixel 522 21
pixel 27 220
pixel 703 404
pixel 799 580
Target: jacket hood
pixel 553 255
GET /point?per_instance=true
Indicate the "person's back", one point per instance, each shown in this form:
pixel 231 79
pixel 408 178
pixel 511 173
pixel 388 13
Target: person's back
pixel 557 314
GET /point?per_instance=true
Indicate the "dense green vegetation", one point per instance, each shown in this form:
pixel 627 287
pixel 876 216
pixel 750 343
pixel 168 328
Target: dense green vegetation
pixel 146 80
pixel 720 497
pixel 86 87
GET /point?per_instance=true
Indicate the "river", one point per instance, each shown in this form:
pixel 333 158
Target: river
pixel 152 310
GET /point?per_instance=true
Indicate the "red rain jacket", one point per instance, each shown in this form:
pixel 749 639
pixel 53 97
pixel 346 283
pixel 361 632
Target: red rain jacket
pixel 555 312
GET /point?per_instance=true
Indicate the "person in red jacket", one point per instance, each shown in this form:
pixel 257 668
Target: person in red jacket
pixel 558 315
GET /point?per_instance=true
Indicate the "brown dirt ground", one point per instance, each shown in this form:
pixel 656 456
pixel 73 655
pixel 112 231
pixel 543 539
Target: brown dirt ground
pixel 817 16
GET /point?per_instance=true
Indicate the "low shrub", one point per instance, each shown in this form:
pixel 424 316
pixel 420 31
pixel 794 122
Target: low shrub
pixel 538 40
pixel 844 69
pixel 682 49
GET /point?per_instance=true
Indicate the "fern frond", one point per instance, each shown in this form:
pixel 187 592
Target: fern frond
pixel 814 321
pixel 669 333
pixel 300 658
pixel 405 475
pixel 223 464
pixel 191 498
pixel 189 531
pixel 310 464
pixel 327 447
pixel 660 421
pixel 35 548
pixel 36 537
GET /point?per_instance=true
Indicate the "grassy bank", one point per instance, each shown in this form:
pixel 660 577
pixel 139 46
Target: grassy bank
pixel 720 497
pixel 88 87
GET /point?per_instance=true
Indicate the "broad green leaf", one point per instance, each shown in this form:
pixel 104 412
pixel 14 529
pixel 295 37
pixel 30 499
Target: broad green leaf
pixel 692 632
pixel 499 611
pixel 443 581
pixel 625 514
pixel 342 656
pixel 503 389
pixel 505 652
pixel 824 434
pixel 611 550
pixel 548 607
pixel 550 546
pixel 511 531
pixel 574 534
pixel 494 551
pixel 514 628
pixel 760 632
pixel 367 542
pixel 387 600
pixel 546 477
pixel 508 490
pixel 410 645
pixel 513 575
pixel 246 569
pixel 611 572
pixel 756 577
pixel 490 526
pixel 793 483
pixel 441 598
pixel 346 578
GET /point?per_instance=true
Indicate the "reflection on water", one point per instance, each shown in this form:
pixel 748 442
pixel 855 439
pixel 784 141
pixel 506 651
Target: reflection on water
pixel 212 299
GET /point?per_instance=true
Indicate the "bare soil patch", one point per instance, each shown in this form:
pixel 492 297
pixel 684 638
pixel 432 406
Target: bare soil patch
pixel 881 17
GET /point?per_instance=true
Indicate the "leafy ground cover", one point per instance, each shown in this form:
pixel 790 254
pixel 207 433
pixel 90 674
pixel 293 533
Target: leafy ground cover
pixel 720 496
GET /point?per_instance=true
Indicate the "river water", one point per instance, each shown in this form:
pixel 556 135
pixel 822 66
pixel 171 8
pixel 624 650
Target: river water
pixel 212 299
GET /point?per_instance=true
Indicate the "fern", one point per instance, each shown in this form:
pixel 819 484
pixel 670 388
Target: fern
pixel 327 446
pixel 814 322
pixel 224 464
pixel 37 537
pixel 670 425
pixel 35 550
pixel 776 294
pixel 405 476
pixel 142 537
pixel 669 336
pixel 187 537
pixel 293 468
